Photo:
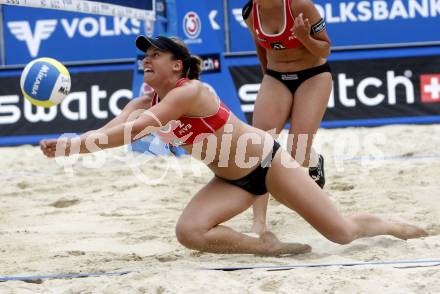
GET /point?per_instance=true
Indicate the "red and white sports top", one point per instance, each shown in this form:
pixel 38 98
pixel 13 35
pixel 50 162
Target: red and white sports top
pixel 190 130
pixel 284 39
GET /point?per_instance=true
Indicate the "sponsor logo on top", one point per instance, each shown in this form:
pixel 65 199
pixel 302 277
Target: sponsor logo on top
pixel 379 10
pixel 42 31
pixel 85 27
pixel 210 63
pixel 192 27
pixel 236 12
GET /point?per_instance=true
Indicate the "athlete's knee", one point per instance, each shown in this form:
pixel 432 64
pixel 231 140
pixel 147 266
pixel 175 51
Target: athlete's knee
pixel 190 235
pixel 302 156
pixel 342 239
pixel 344 235
pixel 263 124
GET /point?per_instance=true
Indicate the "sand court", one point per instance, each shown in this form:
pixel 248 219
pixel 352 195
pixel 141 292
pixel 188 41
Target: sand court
pixel 120 218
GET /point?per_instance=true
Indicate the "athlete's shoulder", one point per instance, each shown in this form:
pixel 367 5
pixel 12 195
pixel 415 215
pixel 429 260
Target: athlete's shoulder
pixel 247 9
pixel 189 88
pixel 301 5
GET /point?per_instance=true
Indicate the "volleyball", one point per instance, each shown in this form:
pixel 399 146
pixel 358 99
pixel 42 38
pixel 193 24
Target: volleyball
pixel 45 82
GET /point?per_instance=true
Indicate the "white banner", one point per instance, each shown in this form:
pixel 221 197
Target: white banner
pixel 86 7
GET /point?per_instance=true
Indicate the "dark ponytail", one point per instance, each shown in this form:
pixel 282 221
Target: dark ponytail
pixel 192 64
pixel 194 68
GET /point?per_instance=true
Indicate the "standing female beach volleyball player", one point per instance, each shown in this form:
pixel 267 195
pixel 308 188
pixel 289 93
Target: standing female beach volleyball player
pixel 292 46
pixel 195 117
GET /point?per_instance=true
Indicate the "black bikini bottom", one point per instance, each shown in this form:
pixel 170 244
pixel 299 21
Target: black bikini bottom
pixel 255 182
pixel 292 80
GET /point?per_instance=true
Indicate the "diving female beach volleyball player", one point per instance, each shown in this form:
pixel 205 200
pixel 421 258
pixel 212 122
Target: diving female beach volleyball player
pixel 246 161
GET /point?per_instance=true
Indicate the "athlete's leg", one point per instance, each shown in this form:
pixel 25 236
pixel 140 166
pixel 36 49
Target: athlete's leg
pixel 199 227
pixel 272 110
pixel 295 189
pixel 272 106
pixel 309 105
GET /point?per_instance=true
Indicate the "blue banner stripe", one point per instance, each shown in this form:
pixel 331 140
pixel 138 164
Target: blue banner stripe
pixel 23 140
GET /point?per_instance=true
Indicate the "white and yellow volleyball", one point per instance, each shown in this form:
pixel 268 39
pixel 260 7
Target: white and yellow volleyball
pixel 45 82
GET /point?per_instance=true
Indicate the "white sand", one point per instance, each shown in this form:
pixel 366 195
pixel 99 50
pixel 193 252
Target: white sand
pixel 106 220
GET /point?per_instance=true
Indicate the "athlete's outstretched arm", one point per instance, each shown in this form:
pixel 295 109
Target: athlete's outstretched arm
pixel 173 106
pixel 143 102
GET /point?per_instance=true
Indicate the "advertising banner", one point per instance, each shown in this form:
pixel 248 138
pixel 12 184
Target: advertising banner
pixel 360 24
pixel 143 10
pixel 199 27
pixel 30 33
pixel 391 90
pixel 380 23
pixel 399 88
pixel 98 94
pixel 240 36
pixel 216 16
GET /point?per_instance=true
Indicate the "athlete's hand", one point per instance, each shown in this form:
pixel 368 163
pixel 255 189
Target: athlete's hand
pixel 301 28
pixel 55 147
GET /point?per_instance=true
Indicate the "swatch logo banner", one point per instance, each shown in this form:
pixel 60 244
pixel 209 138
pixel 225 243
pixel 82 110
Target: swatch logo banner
pixel 97 98
pixel 383 89
pixel 247 81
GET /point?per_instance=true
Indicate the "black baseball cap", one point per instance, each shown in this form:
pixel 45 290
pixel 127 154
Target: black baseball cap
pixel 162 43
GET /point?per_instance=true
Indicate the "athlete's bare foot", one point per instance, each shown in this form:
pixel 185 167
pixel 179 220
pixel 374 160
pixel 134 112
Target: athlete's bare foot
pixel 276 248
pixel 258 227
pixel 406 231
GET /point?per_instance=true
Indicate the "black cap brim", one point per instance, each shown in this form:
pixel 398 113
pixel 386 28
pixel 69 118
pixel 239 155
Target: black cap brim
pixel 143 43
